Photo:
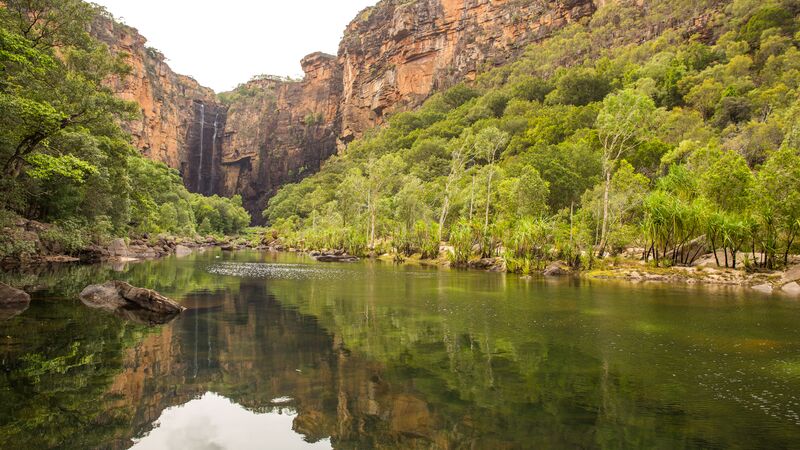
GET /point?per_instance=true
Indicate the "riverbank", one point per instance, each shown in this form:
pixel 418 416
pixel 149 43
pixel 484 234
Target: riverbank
pixel 41 249
pixel 782 282
pixel 28 242
pixel 785 282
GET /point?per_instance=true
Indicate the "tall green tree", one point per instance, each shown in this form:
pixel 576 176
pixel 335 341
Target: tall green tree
pixel 624 118
pixel 489 143
pixel 381 177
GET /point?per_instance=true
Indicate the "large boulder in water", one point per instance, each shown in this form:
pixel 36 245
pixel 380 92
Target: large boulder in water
pixel 556 269
pixel 182 250
pixel 114 295
pixel 118 248
pixel 10 296
pixel 12 301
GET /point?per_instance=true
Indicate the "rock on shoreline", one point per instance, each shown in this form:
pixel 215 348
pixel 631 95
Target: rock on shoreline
pixel 333 257
pixel 12 301
pixel 119 295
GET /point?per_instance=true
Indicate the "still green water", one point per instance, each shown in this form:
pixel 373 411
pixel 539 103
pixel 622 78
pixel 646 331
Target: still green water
pixel 278 351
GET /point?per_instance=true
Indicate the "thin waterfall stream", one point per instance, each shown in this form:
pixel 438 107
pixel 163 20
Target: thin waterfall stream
pixel 214 147
pixel 202 130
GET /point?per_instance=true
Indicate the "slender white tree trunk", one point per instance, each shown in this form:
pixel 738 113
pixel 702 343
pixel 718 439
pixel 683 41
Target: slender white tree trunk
pixel 472 198
pixel 443 216
pixel 488 199
pixel 604 229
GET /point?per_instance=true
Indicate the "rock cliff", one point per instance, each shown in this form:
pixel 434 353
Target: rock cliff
pixel 395 54
pixel 279 131
pixel 166 98
pixel 273 131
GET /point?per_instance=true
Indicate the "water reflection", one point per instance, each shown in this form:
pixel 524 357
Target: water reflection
pixel 214 422
pixel 377 356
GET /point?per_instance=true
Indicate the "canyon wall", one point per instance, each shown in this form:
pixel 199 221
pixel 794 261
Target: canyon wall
pixel 272 131
pixel 279 131
pixel 395 54
pixel 166 99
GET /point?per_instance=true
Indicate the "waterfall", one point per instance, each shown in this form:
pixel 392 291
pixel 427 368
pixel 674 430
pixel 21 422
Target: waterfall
pixel 214 146
pixel 202 126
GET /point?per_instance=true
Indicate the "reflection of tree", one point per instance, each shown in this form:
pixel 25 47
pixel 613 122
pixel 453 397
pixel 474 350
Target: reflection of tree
pixel 54 373
pixel 380 358
pixel 499 364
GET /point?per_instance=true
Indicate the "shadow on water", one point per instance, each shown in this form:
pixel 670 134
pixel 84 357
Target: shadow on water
pixel 372 355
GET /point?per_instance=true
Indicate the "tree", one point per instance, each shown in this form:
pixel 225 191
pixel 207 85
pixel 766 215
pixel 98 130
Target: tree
pixel 381 176
pixel 459 158
pixel 727 181
pixel 488 143
pixel 525 195
pixel 349 196
pixel 622 120
pixel 409 202
pixel 777 188
pixel 45 94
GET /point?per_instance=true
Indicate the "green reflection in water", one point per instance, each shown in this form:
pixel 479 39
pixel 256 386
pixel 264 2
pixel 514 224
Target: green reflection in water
pixel 373 355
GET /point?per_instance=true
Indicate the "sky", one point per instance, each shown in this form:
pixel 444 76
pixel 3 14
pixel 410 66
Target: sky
pixel 213 422
pixel 224 43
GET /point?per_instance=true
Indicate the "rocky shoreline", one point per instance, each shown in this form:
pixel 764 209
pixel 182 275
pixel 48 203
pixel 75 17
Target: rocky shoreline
pixel 41 250
pixel 781 282
pixel 785 282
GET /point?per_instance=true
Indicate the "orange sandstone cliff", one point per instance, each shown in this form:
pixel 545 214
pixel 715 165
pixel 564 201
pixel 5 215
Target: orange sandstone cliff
pixel 395 54
pixel 272 131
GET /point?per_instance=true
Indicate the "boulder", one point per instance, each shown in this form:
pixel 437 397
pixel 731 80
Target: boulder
pixel 489 264
pixel 118 248
pixel 765 288
pixel 182 250
pixel 93 254
pixel 792 274
pixel 556 269
pixel 13 302
pixel 10 296
pixel 792 288
pixel 114 295
pixel 335 258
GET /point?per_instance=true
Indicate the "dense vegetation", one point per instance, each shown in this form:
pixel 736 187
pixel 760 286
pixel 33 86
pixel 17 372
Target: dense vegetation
pixel 597 140
pixel 64 156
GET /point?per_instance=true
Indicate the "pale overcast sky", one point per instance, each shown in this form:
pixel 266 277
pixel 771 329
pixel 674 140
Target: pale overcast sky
pixel 224 43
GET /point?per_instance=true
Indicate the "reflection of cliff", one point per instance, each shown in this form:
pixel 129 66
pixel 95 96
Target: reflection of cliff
pixel 251 349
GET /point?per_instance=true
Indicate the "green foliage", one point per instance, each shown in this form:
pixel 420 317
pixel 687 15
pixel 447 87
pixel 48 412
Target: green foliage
pixel 220 215
pixel 463 239
pixel 594 141
pixel 63 154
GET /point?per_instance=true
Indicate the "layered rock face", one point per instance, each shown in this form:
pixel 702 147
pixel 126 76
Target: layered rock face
pixel 279 131
pixel 166 98
pixel 274 131
pixel 201 168
pixel 397 53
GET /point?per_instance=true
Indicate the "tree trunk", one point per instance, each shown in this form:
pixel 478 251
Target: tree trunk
pixel 443 216
pixel 714 245
pixel 604 230
pixel 372 229
pixel 488 200
pixel 471 198
pixel 788 247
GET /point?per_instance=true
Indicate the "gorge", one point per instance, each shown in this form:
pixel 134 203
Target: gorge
pixel 272 131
